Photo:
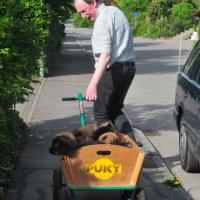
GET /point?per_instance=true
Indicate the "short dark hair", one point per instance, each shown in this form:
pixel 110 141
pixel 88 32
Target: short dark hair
pixel 107 2
pixel 91 1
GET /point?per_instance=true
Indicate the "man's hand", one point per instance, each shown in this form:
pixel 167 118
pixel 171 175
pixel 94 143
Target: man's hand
pixel 91 92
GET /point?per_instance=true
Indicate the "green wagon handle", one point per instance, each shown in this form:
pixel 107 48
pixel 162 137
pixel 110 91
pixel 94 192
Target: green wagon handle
pixel 80 98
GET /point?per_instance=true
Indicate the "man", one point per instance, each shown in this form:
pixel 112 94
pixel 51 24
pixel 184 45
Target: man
pixel 113 50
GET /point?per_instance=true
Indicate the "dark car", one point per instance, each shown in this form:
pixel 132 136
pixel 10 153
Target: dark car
pixel 187 111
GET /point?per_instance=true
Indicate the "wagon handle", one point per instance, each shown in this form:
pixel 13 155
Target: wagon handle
pixel 103 153
pixel 72 98
pixel 80 98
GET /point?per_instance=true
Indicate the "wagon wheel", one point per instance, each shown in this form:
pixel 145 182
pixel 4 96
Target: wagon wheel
pixel 140 194
pixel 57 183
pixel 64 194
pixel 127 194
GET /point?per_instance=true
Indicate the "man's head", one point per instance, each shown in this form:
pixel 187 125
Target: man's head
pixel 87 8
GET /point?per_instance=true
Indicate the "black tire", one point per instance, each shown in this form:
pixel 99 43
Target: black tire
pixel 57 183
pixel 188 162
pixel 137 194
pixel 140 194
pixel 64 194
pixel 127 194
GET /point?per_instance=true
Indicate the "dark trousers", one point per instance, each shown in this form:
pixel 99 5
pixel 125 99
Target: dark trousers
pixel 111 93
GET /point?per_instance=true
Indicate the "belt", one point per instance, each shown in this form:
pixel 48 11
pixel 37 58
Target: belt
pixel 122 64
pixel 126 63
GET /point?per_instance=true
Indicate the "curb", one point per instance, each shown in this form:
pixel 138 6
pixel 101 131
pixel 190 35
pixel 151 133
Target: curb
pixel 27 109
pixel 28 120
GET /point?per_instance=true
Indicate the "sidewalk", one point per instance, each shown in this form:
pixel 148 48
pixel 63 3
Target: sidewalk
pixel 48 115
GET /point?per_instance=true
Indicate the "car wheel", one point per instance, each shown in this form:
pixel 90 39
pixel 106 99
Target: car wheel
pixel 188 162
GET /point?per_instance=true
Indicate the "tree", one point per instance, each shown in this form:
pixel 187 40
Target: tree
pixel 182 12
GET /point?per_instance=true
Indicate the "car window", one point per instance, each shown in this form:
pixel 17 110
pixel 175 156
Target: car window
pixel 193 69
pixel 198 77
pixel 191 57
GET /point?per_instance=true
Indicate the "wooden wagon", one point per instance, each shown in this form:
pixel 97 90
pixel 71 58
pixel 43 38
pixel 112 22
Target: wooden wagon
pixel 99 167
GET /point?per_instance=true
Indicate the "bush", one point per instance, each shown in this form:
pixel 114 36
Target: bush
pixel 177 25
pixel 23 34
pixel 160 28
pixel 59 11
pixel 157 8
pixel 30 32
pixel 11 128
pixel 162 8
pixel 131 6
pixel 182 12
pixel 79 22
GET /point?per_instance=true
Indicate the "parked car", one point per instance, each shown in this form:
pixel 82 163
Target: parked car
pixel 187 111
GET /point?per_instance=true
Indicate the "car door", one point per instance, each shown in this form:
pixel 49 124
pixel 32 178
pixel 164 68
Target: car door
pixel 191 104
pixel 198 113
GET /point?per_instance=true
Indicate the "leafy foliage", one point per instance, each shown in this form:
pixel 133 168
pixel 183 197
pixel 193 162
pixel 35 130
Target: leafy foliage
pixel 130 6
pixel 156 18
pixel 182 12
pixel 78 21
pixel 162 8
pixel 30 33
pixel 172 181
pixel 11 129
pixel 20 46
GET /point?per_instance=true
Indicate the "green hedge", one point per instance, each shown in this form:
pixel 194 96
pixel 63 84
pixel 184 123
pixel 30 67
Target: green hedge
pixel 30 33
pixel 11 137
pixel 79 22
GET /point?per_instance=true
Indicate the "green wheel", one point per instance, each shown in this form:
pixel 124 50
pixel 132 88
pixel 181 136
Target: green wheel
pixel 57 183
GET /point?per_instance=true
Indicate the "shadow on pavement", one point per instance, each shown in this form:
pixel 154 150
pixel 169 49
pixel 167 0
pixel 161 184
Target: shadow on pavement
pixel 80 53
pixel 152 119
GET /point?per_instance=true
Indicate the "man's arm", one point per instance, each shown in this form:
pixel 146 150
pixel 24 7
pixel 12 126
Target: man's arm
pixel 91 92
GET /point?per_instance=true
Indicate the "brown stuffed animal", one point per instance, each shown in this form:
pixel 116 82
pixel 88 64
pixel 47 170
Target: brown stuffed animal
pixel 108 138
pixel 67 142
pixel 63 144
pixel 125 140
pixel 116 138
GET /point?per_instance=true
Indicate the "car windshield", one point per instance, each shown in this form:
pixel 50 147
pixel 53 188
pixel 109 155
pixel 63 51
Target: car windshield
pixel 193 69
pixel 191 57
